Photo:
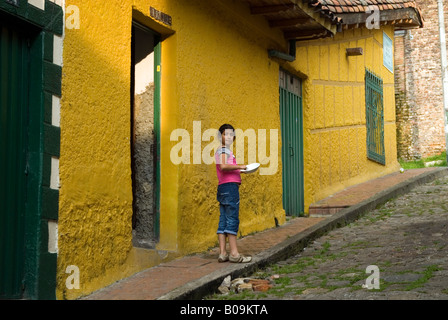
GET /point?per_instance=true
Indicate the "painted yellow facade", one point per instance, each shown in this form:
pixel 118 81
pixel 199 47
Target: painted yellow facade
pixel 334 111
pixel 214 69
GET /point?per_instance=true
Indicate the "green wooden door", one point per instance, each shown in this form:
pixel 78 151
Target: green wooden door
pixel 14 66
pixel 292 143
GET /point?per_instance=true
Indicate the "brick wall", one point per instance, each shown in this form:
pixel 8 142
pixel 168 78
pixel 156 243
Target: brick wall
pixel 418 87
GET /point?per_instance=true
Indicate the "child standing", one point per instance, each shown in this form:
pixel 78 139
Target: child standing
pixel 228 196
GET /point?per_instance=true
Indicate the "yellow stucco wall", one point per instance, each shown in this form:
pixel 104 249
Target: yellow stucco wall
pixel 334 111
pixel 233 82
pixel 95 195
pixel 215 70
pixel 212 72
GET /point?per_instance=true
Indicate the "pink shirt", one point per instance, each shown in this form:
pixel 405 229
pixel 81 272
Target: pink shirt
pixel 226 176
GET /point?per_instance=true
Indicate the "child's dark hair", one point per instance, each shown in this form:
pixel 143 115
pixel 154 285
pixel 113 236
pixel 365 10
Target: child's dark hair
pixel 223 128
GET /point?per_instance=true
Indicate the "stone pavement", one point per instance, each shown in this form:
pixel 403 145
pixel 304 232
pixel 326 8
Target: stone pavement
pixel 193 277
pixel 357 193
pixel 404 242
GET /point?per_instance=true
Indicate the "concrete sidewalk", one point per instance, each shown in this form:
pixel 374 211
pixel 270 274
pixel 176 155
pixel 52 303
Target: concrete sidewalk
pixel 193 277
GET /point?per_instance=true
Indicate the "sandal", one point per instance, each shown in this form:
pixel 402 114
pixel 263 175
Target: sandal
pixel 240 259
pixel 223 258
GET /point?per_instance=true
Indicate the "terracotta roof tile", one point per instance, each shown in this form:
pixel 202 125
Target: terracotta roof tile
pixel 336 7
pixel 346 6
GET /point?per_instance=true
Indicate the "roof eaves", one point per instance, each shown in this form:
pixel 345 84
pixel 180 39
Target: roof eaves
pixel 402 8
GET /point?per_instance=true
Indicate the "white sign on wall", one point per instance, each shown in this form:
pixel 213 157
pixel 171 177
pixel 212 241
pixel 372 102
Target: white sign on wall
pixel 388 55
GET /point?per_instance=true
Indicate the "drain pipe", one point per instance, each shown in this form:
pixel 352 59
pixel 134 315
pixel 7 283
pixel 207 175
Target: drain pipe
pixel 444 69
pixel 284 56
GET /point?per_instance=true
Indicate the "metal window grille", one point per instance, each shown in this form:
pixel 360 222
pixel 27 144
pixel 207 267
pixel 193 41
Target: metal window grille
pixel 375 118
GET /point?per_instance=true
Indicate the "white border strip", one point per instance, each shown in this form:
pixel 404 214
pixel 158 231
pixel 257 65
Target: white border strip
pixel 37 3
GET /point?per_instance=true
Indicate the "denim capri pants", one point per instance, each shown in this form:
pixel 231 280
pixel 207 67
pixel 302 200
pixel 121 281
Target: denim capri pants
pixel 229 205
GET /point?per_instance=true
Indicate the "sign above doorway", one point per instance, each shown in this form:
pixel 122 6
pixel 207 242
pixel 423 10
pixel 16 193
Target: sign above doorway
pixel 160 16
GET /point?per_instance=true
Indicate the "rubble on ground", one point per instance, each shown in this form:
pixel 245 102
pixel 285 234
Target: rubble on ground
pixel 246 284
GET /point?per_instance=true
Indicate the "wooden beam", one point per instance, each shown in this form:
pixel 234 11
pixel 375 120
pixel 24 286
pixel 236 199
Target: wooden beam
pixel 289 22
pixel 271 9
pixel 407 14
pixel 306 33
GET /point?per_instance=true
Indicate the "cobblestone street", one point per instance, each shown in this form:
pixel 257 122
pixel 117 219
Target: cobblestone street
pixel 406 239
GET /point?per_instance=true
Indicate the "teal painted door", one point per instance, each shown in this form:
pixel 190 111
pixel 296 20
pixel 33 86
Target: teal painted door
pixel 291 122
pixel 14 66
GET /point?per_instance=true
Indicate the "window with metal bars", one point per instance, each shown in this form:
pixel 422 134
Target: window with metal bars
pixel 375 118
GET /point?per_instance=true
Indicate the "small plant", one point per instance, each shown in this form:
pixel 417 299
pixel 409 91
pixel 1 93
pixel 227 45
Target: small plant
pixel 427 274
pixel 415 164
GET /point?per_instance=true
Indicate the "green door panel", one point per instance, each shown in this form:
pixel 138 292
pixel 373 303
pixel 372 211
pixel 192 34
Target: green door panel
pixel 14 67
pixel 291 121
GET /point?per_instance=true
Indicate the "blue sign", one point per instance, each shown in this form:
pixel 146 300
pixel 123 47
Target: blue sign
pixel 388 54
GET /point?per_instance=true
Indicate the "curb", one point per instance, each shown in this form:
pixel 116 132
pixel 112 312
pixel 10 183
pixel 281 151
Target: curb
pixel 197 289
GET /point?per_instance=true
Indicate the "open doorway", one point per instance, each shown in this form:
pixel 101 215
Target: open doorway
pixel 145 101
